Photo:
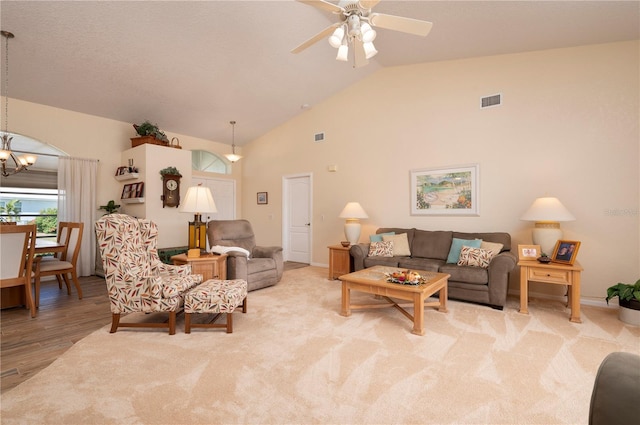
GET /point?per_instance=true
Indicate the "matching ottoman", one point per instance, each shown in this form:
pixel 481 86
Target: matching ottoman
pixel 215 296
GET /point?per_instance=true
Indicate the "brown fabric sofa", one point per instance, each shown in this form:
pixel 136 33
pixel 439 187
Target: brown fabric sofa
pixel 429 251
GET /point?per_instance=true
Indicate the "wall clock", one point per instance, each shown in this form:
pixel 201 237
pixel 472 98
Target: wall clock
pixel 170 190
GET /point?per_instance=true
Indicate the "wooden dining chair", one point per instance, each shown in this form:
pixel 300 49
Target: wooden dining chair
pixel 17 245
pixel 64 265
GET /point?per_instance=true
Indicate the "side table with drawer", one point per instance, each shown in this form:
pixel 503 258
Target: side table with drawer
pixel 339 261
pixel 210 266
pixel 555 273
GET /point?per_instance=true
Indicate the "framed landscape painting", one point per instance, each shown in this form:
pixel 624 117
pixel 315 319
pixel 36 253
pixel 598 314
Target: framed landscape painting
pixel 445 191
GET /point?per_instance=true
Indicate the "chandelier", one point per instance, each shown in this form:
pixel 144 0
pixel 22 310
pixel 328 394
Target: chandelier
pixel 11 164
pixel 233 157
pixel 354 28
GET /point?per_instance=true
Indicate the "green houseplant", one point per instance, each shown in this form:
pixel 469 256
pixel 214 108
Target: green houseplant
pixel 149 129
pixel 110 208
pixel 171 171
pixel 629 300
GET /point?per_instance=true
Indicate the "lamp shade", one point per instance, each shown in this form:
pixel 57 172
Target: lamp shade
pixel 198 200
pixel 353 210
pixel 547 209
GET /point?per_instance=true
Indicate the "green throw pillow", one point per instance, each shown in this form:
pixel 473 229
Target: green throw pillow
pixel 456 246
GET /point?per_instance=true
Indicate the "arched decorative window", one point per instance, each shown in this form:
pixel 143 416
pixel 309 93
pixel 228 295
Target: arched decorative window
pixel 210 162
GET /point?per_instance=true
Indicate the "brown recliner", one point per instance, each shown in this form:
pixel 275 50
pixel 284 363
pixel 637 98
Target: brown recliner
pixel 262 268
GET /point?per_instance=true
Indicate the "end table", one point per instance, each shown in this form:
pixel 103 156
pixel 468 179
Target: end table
pixel 339 261
pixel 559 274
pixel 210 266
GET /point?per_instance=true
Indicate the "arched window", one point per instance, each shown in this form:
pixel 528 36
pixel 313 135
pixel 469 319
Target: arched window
pixel 210 162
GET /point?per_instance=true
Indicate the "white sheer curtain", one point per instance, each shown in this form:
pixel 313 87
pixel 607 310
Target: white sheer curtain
pixel 77 203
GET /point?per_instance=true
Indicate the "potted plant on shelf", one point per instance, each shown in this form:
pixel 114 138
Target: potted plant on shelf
pixel 149 133
pixel 629 300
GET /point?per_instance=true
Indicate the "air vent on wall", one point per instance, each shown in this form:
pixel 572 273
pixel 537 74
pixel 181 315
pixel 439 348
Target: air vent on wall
pixel 489 101
pixel 318 137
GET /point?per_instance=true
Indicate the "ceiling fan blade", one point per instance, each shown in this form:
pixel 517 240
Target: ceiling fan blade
pixel 321 4
pixel 319 36
pixel 399 23
pixel 368 4
pixel 359 58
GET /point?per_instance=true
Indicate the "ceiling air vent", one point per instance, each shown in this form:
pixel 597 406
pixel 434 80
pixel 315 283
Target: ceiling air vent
pixel 489 101
pixel 318 137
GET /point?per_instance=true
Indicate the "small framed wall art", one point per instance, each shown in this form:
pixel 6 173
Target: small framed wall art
pixel 263 198
pixel 528 252
pixel 565 252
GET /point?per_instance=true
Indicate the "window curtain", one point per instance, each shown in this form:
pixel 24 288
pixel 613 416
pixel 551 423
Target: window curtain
pixel 77 203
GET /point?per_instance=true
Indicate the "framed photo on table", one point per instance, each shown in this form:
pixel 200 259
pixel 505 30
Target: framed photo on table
pixel 565 252
pixel 528 252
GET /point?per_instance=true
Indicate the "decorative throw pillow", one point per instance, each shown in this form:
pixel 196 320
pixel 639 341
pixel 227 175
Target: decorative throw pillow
pixel 476 257
pixel 378 237
pixel 381 249
pixel 456 246
pixel 400 244
pixel 494 247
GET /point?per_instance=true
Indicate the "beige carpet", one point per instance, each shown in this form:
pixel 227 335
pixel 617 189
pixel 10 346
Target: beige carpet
pixel 293 359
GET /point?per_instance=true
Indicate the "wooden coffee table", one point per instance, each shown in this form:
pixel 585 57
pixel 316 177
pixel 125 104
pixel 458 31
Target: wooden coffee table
pixel 373 281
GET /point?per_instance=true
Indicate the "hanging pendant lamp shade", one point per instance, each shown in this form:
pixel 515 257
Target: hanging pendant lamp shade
pixel 233 157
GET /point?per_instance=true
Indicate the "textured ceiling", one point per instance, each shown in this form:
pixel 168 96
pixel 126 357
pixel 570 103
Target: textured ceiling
pixel 192 66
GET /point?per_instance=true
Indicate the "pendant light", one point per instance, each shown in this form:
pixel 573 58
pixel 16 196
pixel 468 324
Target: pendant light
pixel 232 157
pixel 20 163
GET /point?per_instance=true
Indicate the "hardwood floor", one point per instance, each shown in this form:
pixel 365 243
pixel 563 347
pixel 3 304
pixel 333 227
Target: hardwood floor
pixel 29 345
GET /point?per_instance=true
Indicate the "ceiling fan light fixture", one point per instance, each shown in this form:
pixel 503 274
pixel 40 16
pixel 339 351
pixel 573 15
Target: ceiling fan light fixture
pixel 368 33
pixel 369 50
pixel 336 38
pixel 343 53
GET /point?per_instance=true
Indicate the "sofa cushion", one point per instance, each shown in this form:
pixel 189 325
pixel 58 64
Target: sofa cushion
pixel 493 247
pixel 467 274
pixel 258 265
pixel 381 261
pixel 381 249
pixel 397 231
pixel 400 244
pixel 431 244
pixel 426 264
pixel 378 236
pixel 497 237
pixel 475 257
pixel 456 246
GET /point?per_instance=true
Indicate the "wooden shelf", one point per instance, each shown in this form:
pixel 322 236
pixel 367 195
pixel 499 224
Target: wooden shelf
pixel 127 176
pixel 132 200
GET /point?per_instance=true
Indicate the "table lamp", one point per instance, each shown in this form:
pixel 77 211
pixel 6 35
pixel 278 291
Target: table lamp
pixel 352 212
pixel 547 213
pixel 198 200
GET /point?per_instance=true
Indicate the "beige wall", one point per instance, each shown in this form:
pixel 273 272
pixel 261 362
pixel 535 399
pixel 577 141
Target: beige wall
pixel 87 136
pixel 568 127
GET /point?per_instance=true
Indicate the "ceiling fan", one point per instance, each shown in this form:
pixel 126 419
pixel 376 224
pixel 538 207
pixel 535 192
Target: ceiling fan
pixel 355 28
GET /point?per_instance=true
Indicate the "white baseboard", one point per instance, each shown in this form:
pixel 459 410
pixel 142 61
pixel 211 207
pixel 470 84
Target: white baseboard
pixel 584 301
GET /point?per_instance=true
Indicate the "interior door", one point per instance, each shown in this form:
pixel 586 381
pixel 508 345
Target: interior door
pixel 297 216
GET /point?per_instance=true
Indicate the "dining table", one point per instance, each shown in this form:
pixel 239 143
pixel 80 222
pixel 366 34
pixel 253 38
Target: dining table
pixel 15 296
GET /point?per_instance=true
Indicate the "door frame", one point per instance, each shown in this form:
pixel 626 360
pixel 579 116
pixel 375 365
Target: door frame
pixel 285 213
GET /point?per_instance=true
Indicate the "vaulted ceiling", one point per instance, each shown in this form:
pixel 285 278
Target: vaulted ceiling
pixel 192 66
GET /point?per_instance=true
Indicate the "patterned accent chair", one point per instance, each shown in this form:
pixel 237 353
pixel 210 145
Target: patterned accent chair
pixel 137 281
pixel 263 267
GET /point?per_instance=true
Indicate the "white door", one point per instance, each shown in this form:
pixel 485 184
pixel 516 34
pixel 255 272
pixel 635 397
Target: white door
pixel 297 218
